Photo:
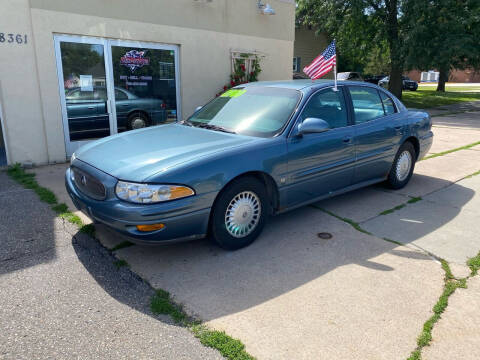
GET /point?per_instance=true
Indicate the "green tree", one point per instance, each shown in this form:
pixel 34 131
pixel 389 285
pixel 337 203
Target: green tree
pixel 82 59
pixel 378 60
pixel 442 35
pixel 359 27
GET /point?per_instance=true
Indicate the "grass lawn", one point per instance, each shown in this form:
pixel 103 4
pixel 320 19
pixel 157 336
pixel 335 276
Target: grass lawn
pixel 426 96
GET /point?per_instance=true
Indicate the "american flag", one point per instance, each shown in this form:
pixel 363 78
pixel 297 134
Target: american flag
pixel 322 63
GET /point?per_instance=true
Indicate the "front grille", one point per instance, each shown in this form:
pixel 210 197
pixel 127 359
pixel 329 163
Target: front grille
pixel 88 184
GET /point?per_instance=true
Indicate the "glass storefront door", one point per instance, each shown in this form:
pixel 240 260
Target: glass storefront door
pixel 111 86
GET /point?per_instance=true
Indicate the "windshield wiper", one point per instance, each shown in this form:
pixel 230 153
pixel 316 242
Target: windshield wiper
pixel 214 127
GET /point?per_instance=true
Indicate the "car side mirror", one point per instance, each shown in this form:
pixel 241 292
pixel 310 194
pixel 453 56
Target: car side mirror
pixel 312 126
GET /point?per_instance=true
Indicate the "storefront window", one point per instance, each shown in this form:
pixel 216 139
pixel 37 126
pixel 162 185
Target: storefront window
pixel 85 92
pixel 145 86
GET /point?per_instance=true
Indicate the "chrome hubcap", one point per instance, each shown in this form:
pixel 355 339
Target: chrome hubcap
pixel 243 214
pixel 404 164
pixel 138 123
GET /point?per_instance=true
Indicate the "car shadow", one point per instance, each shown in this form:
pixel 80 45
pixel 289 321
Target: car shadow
pixel 27 228
pixel 463 120
pixel 289 254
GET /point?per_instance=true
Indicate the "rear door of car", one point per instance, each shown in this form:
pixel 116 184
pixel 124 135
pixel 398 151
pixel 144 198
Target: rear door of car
pixel 377 132
pixel 321 163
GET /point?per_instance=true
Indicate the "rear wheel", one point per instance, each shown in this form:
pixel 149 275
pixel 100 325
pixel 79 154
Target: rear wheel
pixel 137 121
pixel 403 165
pixel 239 214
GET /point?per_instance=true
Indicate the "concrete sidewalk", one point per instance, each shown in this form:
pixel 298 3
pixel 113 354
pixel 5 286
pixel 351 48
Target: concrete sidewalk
pixel 62 297
pixel 457 335
pixel 455 108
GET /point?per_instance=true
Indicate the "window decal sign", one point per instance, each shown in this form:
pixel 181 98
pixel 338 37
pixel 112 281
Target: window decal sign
pixel 134 59
pixel 233 93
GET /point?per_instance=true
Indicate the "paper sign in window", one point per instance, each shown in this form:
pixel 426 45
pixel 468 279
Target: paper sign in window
pixel 86 83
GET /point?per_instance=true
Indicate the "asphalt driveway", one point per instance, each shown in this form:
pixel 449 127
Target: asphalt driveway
pixel 364 293
pixel 62 297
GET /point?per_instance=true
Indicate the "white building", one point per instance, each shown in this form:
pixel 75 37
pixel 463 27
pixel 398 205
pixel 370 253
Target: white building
pixel 75 70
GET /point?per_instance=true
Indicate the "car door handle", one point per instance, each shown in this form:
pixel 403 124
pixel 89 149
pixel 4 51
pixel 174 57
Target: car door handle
pixel 398 128
pixel 347 139
pixel 91 107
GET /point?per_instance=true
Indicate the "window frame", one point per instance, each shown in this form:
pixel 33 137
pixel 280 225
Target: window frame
pixel 383 106
pixel 395 107
pixel 298 119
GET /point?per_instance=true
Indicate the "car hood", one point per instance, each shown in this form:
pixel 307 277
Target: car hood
pixel 139 154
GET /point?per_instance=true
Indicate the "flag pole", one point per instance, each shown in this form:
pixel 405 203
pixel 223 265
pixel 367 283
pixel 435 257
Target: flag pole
pixel 335 74
pixel 335 66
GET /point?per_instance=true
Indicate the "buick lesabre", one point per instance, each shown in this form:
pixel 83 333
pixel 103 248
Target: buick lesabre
pixel 259 149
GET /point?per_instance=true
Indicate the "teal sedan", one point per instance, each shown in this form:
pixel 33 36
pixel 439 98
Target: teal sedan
pixel 88 113
pixel 258 150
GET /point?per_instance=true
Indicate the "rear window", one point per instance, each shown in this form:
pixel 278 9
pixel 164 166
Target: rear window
pixel 367 104
pixel 388 104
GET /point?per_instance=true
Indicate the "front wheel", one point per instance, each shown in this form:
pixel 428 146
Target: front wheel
pixel 403 165
pixel 239 214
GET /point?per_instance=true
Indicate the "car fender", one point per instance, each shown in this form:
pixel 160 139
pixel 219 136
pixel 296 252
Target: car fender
pixel 210 174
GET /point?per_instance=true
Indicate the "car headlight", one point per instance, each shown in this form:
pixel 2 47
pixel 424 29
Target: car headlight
pixel 151 193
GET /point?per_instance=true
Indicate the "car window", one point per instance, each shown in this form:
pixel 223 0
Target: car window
pixel 120 95
pixel 328 105
pixel 100 94
pixel 79 95
pixel 388 104
pixel 367 104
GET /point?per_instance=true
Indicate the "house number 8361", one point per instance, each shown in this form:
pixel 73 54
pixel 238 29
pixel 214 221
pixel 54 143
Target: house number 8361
pixel 13 38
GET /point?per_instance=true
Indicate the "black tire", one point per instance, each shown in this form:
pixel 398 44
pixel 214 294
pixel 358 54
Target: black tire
pixel 218 221
pixel 135 119
pixel 395 179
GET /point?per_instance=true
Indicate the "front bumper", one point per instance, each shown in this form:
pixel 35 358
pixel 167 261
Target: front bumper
pixel 182 218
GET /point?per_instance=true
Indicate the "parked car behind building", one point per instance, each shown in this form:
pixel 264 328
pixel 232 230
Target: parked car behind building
pixel 374 79
pixel 408 84
pixel 352 76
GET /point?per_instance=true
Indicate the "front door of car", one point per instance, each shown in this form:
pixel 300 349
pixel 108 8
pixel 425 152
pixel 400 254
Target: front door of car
pixel 378 132
pixel 320 163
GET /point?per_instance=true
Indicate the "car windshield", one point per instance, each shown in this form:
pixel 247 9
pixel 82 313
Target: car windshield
pixel 255 111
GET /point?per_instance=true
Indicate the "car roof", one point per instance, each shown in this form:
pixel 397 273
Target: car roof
pixel 301 84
